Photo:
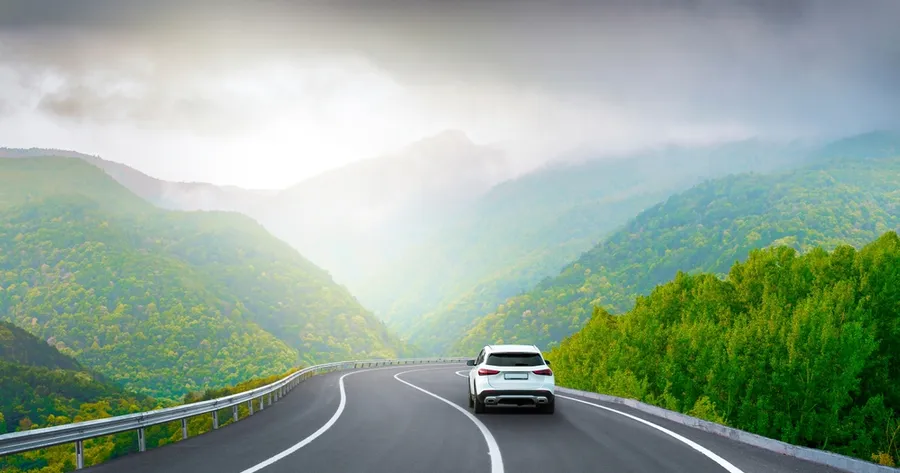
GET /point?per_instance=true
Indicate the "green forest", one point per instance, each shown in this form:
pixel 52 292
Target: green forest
pixel 767 302
pixel 163 302
pixel 801 348
pixel 529 228
pixel 43 387
pixel 848 200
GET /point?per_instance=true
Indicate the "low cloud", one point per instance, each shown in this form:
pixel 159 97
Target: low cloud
pixel 541 74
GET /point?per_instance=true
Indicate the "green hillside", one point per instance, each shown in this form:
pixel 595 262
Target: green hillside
pixel 39 383
pixel 41 387
pixel 527 229
pixel 707 228
pixel 163 302
pixel 20 347
pixel 805 349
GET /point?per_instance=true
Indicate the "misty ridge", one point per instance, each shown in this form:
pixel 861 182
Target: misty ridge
pixel 422 220
pixel 446 155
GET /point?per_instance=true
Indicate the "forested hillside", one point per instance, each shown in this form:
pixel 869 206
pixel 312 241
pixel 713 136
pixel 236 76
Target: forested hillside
pixel 42 387
pixel 529 228
pixel 805 349
pixel 163 302
pixel 848 199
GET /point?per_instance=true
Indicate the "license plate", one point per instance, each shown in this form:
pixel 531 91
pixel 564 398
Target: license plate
pixel 515 376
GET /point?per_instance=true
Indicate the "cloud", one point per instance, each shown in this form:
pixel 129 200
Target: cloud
pixel 540 74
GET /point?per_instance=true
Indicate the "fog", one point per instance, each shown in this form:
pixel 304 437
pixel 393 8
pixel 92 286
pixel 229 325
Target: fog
pixel 263 93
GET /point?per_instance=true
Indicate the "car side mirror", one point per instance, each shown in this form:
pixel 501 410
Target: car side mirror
pixel 547 362
pixel 470 362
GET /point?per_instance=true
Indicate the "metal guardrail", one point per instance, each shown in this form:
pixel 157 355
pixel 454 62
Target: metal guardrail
pixel 78 432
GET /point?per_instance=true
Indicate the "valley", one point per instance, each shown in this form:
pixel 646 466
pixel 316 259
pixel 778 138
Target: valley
pixel 151 302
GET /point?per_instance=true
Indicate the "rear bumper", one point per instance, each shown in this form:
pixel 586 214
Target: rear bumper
pixel 494 397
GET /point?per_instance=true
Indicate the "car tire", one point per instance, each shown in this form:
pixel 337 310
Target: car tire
pixel 479 406
pixel 548 408
pixel 471 401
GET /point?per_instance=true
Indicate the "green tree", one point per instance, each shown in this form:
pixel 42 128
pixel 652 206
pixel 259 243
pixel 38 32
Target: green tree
pixel 801 348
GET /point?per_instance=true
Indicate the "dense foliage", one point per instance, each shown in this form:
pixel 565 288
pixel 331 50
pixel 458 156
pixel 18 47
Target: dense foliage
pixel 527 229
pixel 42 387
pixel 163 302
pixel 805 349
pixel 20 347
pixel 707 228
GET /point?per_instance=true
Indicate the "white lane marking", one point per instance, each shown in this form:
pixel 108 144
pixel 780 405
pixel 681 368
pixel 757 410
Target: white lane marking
pixel 709 454
pixel 712 456
pixel 324 428
pixel 493 448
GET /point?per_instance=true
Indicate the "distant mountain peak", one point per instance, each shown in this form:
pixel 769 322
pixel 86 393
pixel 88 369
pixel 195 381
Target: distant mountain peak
pixel 447 141
pixel 451 135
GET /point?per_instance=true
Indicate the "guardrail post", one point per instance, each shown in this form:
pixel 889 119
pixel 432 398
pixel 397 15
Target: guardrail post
pixel 184 430
pixel 142 444
pixel 270 399
pixel 250 407
pixel 262 403
pixel 79 454
pixel 234 409
pixel 215 420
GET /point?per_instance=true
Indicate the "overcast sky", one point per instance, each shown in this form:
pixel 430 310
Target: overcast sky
pixel 263 93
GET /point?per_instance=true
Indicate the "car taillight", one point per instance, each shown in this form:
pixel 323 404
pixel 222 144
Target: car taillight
pixel 545 372
pixel 485 372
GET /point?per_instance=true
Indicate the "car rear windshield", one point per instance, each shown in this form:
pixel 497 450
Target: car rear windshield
pixel 515 359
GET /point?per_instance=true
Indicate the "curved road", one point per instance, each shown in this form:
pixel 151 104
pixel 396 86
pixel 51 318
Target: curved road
pixel 415 419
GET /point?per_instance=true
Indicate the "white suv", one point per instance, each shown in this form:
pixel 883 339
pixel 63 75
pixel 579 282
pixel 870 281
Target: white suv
pixel 511 375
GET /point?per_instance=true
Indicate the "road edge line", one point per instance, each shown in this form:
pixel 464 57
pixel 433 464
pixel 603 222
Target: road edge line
pixel 493 447
pixel 321 430
pixel 705 451
pixel 728 466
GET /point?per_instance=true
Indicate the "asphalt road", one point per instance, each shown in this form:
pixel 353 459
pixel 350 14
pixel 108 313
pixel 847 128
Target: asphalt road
pixel 416 419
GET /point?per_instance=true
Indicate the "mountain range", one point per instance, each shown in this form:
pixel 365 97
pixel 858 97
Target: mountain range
pixel 843 193
pixel 442 236
pixel 121 291
pixel 164 302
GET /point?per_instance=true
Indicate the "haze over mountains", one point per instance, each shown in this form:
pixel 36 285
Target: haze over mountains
pixel 164 301
pixel 354 219
pixel 438 234
pixel 165 194
pixel 842 193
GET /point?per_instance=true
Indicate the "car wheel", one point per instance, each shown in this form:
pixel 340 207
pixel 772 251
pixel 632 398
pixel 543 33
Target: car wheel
pixel 548 408
pixel 471 401
pixel 479 406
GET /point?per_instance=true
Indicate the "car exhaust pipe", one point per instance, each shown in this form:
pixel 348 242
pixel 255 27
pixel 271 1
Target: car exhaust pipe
pixel 514 399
